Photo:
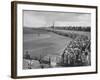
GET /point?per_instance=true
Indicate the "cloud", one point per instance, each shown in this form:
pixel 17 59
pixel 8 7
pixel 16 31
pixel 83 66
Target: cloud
pixel 33 21
pixel 47 18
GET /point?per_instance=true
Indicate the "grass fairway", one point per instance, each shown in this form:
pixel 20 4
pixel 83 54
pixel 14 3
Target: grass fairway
pixel 44 44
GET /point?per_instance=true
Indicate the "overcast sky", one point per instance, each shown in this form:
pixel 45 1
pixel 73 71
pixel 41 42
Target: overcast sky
pixel 45 19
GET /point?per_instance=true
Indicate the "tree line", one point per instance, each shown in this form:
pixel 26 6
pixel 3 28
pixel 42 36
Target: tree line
pixel 75 28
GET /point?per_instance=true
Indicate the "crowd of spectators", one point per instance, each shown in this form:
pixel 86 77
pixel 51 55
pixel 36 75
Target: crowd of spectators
pixel 77 53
